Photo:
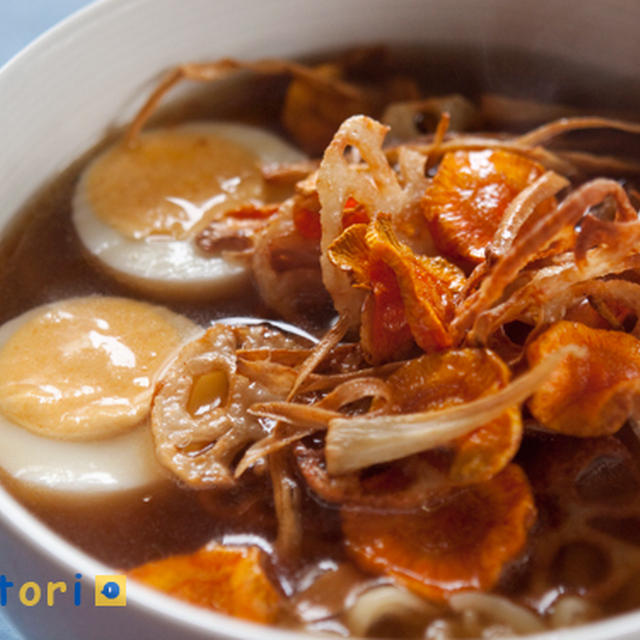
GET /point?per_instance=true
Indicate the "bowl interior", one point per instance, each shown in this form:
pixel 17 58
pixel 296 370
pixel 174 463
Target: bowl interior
pixel 87 76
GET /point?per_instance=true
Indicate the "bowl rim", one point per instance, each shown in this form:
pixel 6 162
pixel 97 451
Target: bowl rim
pixel 27 528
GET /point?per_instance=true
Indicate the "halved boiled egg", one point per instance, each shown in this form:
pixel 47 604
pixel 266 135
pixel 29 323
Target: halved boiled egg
pixel 137 210
pixel 76 381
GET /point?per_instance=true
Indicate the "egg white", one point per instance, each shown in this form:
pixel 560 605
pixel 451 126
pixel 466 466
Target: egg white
pixel 117 463
pixel 166 267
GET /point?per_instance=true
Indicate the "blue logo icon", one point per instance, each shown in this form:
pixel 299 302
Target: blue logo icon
pixel 111 590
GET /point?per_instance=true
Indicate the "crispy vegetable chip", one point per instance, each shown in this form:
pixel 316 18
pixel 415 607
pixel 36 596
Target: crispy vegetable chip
pixel 199 418
pixel 468 197
pixel 439 380
pixel 411 297
pixel 226 579
pixel 312 114
pixel 590 396
pixel 460 544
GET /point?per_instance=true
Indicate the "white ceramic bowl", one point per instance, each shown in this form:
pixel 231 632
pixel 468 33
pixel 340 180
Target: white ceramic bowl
pixel 62 94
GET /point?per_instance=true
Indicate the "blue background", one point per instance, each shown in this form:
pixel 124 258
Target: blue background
pixel 21 21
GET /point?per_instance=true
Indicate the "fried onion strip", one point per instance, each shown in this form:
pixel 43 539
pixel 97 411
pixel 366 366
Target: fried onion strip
pixel 286 499
pixel 282 436
pixel 297 421
pixel 355 443
pixel 567 214
pixel 546 132
pixel 213 71
pixel 319 352
pixel 319 414
pixel 521 207
pixel 610 292
pixel 553 282
pixel 550 160
pixel 320 382
pixel 598 165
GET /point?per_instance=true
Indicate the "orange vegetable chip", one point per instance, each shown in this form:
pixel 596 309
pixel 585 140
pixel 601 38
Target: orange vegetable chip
pixel 590 396
pixel 354 213
pixel 306 216
pixel 468 197
pixel 460 544
pixel 226 579
pixel 427 285
pixel 439 380
pixel 412 297
pixel 385 333
pixel 312 115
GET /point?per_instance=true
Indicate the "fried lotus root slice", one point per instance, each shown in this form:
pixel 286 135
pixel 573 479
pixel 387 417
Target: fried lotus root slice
pixel 372 183
pixel 469 194
pixel 199 418
pixel 590 396
pixel 409 297
pixel 226 579
pixel 440 380
pixel 586 538
pixel 460 544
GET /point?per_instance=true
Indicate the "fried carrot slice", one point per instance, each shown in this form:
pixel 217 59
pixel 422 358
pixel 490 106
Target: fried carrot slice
pixel 461 544
pixel 411 298
pixel 591 396
pixel 226 579
pixel 311 114
pixel 385 333
pixel 427 285
pixel 439 380
pixel 469 194
pixel 354 213
pixel 306 216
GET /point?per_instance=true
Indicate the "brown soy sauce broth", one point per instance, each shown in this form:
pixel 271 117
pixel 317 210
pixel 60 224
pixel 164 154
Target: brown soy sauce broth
pixel 43 261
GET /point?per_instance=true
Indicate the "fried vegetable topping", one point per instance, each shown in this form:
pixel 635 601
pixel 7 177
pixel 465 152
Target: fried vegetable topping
pixel 468 197
pixel 225 579
pixel 469 274
pixel 410 298
pixel 199 418
pixel 460 544
pixel 438 381
pixel 591 396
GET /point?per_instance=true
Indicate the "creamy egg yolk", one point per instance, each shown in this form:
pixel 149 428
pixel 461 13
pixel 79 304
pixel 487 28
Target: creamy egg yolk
pixel 172 183
pixel 85 368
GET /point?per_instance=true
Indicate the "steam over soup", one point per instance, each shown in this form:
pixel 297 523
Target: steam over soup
pixel 347 364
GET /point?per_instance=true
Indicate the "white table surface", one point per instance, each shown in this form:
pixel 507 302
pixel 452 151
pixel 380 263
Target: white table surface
pixel 21 21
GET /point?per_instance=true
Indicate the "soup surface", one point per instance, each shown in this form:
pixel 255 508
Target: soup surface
pixel 409 406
